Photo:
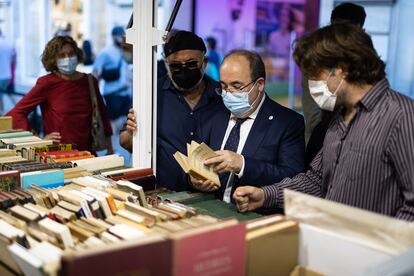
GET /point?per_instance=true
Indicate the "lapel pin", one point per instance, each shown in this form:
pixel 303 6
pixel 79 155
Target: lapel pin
pixel 270 118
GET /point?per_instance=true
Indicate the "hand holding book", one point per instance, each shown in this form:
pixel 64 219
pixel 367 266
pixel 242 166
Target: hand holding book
pixel 203 185
pixel 194 164
pixel 225 161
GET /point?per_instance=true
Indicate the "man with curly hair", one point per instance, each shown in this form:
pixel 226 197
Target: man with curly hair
pixel 367 158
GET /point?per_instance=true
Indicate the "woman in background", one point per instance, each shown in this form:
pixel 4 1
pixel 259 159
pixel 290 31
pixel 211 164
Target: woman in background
pixel 64 98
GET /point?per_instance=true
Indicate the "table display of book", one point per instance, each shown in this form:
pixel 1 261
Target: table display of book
pixel 56 213
pixel 90 217
pixel 96 219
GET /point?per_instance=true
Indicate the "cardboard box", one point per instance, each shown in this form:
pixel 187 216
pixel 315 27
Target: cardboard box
pixel 335 239
pixel 329 239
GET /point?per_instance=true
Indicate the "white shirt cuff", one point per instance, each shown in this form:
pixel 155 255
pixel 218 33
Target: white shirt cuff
pixel 240 174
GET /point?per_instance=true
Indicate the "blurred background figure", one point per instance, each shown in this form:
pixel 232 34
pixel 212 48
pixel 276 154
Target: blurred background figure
pixel 214 59
pixel 88 56
pixel 280 40
pixel 7 65
pixel 66 31
pixel 112 69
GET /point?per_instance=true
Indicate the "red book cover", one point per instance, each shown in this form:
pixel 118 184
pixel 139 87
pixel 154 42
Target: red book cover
pixel 68 154
pixel 217 250
pixel 46 153
pixel 132 174
pixel 152 258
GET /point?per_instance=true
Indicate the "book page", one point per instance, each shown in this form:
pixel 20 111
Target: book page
pixel 196 163
pixel 192 147
pixel 182 161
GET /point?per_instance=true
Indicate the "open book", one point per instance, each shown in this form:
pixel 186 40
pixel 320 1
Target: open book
pixel 193 164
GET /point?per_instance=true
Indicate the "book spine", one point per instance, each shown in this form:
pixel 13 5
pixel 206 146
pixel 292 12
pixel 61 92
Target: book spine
pixel 111 203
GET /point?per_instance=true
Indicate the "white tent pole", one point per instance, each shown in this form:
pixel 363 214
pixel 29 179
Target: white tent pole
pixel 144 38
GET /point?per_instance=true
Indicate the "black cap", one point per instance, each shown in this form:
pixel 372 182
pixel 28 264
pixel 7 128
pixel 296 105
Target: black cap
pixel 183 40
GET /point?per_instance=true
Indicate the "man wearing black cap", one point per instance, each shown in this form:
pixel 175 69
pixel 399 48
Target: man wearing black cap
pixel 186 102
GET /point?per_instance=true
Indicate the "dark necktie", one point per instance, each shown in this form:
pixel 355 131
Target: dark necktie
pixel 233 140
pixel 232 144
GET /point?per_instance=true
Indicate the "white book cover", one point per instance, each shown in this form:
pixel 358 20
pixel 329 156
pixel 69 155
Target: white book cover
pixel 27 262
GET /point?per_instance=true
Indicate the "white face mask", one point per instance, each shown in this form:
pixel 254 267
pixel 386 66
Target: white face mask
pixel 320 93
pixel 68 65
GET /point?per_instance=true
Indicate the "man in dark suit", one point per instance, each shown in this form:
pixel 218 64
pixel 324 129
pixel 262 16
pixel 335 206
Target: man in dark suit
pixel 258 141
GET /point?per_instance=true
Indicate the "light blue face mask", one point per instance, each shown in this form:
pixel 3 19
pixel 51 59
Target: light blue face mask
pixel 68 65
pixel 237 102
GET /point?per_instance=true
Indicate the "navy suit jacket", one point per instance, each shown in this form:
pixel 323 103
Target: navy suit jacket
pixel 274 149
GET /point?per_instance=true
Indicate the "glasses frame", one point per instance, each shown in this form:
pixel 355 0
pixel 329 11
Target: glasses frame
pixel 178 65
pixel 233 90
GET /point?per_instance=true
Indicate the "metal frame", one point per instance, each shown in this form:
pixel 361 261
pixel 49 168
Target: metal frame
pixel 144 36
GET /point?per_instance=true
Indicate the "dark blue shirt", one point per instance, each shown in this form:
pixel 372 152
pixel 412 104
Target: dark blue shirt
pixel 177 125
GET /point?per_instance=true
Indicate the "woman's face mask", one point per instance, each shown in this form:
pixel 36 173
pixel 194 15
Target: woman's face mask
pixel 67 66
pixel 321 94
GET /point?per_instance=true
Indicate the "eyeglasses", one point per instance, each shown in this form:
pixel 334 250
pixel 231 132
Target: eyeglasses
pixel 233 89
pixel 175 66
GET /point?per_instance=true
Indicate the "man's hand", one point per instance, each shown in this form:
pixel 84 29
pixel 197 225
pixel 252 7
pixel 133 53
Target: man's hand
pixel 131 122
pixel 226 161
pixel 248 198
pixel 125 137
pixel 204 186
pixel 54 136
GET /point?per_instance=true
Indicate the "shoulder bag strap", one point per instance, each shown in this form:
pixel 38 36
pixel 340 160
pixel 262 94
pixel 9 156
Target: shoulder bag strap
pixel 95 108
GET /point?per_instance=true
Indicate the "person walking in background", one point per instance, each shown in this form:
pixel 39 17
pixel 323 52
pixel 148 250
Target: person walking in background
pixel 214 59
pixel 64 96
pixel 88 56
pixel 7 65
pixel 111 68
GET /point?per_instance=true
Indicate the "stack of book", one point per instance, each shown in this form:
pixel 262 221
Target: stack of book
pixel 35 153
pixel 93 214
pixel 63 156
pixel 19 172
pixel 98 164
pixel 18 139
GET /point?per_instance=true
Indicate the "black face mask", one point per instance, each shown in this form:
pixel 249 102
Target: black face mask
pixel 187 78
